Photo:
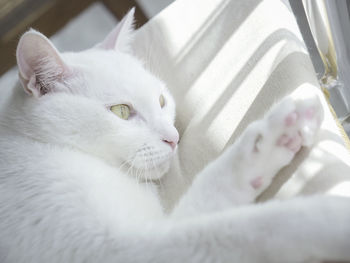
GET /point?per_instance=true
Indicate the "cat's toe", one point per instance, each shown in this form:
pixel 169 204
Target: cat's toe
pixel 311 116
pixel 292 143
pixel 257 182
pixel 296 122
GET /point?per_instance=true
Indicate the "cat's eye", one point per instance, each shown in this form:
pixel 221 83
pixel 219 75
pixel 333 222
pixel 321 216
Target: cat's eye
pixel 121 110
pixel 161 101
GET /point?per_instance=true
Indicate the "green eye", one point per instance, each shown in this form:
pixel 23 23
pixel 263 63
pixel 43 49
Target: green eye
pixel 161 101
pixel 121 110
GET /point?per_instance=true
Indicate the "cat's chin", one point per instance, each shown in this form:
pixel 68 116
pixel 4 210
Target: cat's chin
pixel 151 173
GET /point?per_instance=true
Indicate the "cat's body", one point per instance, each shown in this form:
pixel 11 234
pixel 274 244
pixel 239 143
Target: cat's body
pixel 72 173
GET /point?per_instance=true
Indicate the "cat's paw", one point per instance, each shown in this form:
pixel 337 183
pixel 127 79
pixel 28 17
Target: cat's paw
pixel 288 126
pixel 294 123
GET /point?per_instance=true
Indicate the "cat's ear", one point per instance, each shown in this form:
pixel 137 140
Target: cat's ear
pixel 121 36
pixel 39 63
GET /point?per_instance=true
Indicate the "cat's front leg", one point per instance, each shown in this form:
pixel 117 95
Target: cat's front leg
pixel 247 168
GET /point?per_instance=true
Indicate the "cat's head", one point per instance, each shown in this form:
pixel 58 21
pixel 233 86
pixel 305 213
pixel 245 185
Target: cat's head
pixel 100 101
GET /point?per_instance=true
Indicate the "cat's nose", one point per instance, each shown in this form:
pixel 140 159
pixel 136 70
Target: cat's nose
pixel 172 139
pixel 172 144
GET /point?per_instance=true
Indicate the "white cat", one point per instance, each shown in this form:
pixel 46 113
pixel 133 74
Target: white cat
pixel 91 126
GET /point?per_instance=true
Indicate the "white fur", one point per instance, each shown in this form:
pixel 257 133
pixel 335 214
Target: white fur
pixel 73 176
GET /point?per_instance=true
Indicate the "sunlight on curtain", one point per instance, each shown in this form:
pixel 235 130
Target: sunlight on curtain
pixel 342 189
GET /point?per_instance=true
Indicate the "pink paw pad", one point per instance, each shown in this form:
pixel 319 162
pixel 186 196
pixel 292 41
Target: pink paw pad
pixel 291 119
pixel 257 182
pixel 283 140
pixel 293 143
pixel 310 113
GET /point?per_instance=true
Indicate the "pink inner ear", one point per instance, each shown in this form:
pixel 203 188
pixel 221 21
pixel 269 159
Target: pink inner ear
pixel 119 37
pixel 39 63
pixel 25 70
pixel 110 41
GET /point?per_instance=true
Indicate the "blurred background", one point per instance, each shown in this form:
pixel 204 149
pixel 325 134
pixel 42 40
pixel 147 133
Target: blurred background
pixel 71 24
pixel 75 25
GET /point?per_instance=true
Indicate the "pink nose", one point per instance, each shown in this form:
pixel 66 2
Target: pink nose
pixel 171 137
pixel 172 144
